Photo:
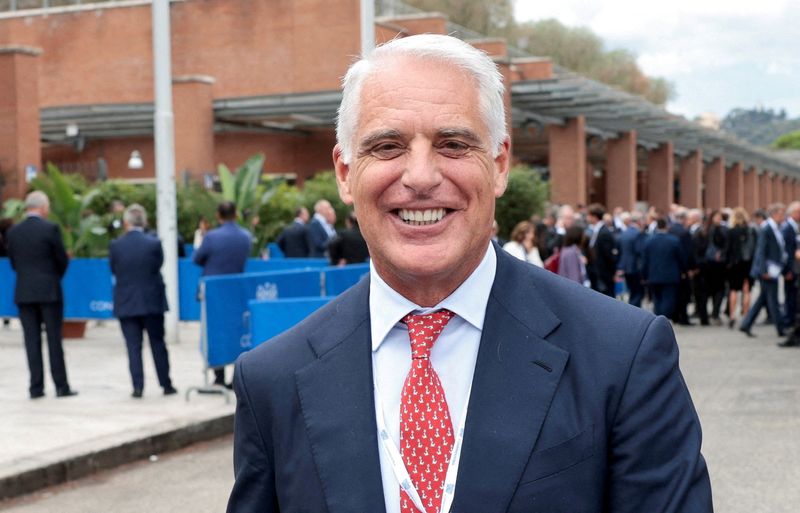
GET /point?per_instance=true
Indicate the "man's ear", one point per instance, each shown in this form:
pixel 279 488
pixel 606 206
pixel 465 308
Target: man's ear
pixel 342 172
pixel 501 165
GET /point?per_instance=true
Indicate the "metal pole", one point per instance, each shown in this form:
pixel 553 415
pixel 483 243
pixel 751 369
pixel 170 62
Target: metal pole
pixel 367 27
pixel 165 162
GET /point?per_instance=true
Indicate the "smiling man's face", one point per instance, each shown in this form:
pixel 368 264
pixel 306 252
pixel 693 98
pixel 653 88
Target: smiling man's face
pixel 422 177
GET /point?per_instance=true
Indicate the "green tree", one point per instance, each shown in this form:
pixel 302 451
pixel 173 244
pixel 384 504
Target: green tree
pixel 490 17
pixel 525 195
pixel 790 141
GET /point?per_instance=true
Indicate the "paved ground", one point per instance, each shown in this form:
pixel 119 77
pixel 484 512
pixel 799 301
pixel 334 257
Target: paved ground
pixel 37 433
pixel 747 392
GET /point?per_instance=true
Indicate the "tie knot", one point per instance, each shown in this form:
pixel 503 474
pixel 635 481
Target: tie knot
pixel 423 330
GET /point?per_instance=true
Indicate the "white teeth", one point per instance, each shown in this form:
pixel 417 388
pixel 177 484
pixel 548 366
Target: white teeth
pixel 421 217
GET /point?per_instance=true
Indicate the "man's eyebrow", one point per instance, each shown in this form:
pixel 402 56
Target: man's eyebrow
pixel 463 133
pixel 380 135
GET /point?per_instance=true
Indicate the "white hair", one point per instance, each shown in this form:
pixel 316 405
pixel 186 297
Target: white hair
pixel 135 215
pixel 36 200
pixel 446 49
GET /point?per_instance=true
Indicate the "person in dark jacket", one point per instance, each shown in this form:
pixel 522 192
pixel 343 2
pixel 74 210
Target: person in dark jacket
pixel 292 240
pixel 678 228
pixel 663 261
pixel 741 244
pixel 224 251
pixel 602 252
pixel 321 230
pixel 36 252
pixel 631 246
pixel 698 274
pixel 348 246
pixel 139 297
pixel 716 263
pixel 769 261
pixel 790 231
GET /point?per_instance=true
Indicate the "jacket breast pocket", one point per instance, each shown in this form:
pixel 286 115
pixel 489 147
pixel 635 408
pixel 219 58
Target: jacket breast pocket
pixel 559 457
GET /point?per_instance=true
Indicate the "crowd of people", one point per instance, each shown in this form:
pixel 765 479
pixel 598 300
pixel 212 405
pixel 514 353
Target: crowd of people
pixel 317 237
pixel 709 259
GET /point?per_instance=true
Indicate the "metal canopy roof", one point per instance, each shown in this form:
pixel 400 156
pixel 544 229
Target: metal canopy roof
pixel 610 112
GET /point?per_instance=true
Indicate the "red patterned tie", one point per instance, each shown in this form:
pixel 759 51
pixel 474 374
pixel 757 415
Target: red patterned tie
pixel 426 432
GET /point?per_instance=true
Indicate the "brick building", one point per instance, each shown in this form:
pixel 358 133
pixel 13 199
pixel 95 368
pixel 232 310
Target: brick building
pixel 76 88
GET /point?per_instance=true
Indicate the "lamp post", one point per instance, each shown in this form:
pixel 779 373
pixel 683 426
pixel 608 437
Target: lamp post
pixel 165 162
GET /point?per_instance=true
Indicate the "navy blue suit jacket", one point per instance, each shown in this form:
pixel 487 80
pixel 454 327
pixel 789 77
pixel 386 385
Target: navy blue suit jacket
pixel 790 240
pixel 664 259
pixel 317 239
pixel 292 240
pixel 577 404
pixel 687 244
pixel 135 260
pixel 224 250
pixel 631 245
pixel 36 252
pixel 768 249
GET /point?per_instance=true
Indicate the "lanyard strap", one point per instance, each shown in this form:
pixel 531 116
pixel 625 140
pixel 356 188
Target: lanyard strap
pixel 399 468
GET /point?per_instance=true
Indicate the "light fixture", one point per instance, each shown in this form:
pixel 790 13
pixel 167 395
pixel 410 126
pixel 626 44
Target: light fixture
pixel 71 130
pixel 135 162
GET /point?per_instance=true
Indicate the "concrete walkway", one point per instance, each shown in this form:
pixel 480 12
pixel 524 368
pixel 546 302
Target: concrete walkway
pixel 50 440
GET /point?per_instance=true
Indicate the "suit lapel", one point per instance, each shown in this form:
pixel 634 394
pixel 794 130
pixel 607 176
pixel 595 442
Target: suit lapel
pixel 516 375
pixel 337 400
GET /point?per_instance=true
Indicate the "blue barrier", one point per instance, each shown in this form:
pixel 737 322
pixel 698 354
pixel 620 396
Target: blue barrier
pixel 275 251
pixel 88 290
pixel 339 279
pixel 226 319
pixel 271 317
pixel 86 286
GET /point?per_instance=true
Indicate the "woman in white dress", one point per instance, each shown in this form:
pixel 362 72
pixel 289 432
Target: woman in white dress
pixel 523 243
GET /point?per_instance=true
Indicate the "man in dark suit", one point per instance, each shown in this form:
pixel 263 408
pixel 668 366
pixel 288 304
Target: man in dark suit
pixel 790 231
pixel 348 246
pixel 697 269
pixel 677 227
pixel 320 230
pixel 602 252
pixel 224 251
pixel 292 239
pixel 769 261
pixel 139 297
pixel 36 252
pixel 456 377
pixel 664 261
pixel 631 246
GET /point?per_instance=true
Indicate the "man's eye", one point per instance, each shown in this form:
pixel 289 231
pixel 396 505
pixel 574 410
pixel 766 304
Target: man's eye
pixel 453 148
pixel 386 151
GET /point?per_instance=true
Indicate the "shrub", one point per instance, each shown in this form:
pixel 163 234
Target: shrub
pixel 525 195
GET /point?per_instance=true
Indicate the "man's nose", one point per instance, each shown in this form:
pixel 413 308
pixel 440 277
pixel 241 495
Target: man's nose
pixel 422 173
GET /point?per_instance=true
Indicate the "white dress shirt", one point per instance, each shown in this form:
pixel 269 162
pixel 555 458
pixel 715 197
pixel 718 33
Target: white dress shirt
pixel 453 355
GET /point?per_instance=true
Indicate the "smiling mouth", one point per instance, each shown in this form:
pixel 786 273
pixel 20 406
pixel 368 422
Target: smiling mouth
pixel 422 217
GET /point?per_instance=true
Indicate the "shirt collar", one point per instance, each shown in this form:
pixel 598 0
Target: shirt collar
pixel 387 307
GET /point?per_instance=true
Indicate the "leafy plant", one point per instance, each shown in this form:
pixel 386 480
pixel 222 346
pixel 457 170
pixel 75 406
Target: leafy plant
pixel 83 230
pixel 244 187
pixel 525 195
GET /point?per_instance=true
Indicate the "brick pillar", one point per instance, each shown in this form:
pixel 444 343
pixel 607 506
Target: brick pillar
pixel 764 189
pixel 661 177
pixel 734 186
pixel 715 184
pixel 795 189
pixel 20 144
pixel 751 198
pixel 691 179
pixel 777 195
pixel 567 154
pixel 193 106
pixel 621 171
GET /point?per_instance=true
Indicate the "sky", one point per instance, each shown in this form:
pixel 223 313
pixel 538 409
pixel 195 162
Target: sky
pixel 719 54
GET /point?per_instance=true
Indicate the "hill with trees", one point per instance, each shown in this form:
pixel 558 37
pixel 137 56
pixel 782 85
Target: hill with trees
pixel 759 126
